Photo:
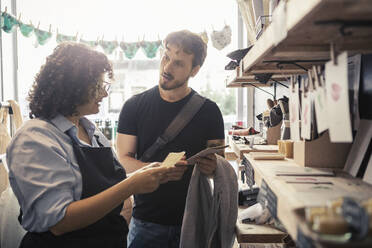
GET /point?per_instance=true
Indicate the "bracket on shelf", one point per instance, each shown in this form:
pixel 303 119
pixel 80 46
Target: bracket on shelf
pixel 294 62
pixel 263 90
pixel 344 24
pixel 264 78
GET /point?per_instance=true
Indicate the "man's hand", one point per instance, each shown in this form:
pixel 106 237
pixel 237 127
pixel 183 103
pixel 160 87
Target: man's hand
pixel 207 165
pixel 176 173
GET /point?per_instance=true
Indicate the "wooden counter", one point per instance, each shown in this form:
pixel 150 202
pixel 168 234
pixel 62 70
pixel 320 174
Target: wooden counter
pixel 241 149
pixel 291 196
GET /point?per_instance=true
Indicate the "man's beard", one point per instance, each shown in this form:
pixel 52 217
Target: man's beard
pixel 175 85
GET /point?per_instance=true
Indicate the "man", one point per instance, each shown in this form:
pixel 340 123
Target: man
pixel 157 217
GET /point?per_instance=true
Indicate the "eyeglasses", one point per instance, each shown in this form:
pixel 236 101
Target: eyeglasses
pixel 104 86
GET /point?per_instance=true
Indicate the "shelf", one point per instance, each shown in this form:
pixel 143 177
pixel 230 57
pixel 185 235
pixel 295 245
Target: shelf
pixel 237 79
pixel 294 196
pixel 253 233
pixel 241 149
pixel 297 35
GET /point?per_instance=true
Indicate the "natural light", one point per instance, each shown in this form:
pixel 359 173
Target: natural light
pixel 130 21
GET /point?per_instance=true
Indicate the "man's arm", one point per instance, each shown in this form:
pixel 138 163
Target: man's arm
pixel 126 146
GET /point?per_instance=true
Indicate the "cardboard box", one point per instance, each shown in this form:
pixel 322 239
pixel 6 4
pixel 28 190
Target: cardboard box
pixel 321 153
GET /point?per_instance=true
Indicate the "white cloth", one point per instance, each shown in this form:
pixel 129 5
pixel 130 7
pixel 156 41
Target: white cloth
pixel 11 232
pixel 209 220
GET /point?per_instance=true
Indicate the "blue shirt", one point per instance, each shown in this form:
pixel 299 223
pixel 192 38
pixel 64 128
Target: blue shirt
pixel 43 170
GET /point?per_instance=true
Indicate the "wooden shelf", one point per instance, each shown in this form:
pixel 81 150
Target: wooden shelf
pixel 294 196
pixel 296 34
pixel 237 79
pixel 253 233
pixel 241 149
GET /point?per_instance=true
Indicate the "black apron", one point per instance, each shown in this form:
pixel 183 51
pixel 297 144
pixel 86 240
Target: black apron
pixel 99 170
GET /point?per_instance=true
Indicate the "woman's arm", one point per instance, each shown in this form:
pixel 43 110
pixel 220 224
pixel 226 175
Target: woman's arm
pixel 82 213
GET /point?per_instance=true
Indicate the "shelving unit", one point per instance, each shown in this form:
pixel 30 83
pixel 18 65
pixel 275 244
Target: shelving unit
pixel 241 149
pixel 236 78
pixel 301 32
pixel 295 196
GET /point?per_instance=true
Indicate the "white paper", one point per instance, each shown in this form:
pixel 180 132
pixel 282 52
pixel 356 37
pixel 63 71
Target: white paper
pixel 294 113
pixel 320 105
pixel 306 117
pixel 359 147
pixel 338 100
pixel 205 152
pixel 172 159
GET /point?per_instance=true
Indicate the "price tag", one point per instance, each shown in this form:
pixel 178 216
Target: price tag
pixel 320 102
pixel 338 100
pixel 294 111
pixel 306 115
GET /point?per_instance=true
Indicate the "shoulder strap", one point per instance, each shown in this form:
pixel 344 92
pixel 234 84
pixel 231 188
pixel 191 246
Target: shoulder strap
pixel 179 122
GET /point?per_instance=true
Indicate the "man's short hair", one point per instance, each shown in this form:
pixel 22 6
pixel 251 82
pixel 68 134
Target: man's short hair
pixel 191 43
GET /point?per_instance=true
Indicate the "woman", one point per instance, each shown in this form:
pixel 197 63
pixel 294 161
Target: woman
pixel 68 182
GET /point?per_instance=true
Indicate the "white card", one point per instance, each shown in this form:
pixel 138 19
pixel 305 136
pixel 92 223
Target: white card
pixel 294 113
pixel 359 147
pixel 320 104
pixel 205 152
pixel 306 116
pixel 172 159
pixel 338 100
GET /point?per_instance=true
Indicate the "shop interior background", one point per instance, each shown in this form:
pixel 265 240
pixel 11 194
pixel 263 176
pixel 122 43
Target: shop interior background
pixel 130 21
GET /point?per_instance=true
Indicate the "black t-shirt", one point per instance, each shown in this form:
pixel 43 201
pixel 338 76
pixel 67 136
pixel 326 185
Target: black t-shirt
pixel 146 116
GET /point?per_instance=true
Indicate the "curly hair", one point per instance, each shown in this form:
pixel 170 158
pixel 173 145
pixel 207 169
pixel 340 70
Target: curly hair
pixel 69 78
pixel 191 43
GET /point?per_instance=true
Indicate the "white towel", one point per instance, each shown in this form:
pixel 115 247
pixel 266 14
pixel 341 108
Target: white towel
pixel 209 220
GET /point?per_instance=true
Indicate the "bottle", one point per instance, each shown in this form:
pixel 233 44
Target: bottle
pixel 108 129
pixel 100 126
pixel 115 129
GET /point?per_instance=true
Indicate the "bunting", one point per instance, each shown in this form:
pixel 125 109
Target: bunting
pixel 9 23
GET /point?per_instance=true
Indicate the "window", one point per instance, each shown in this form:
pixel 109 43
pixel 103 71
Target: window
pixel 130 21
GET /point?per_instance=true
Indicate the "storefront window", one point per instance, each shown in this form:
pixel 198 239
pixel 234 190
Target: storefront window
pixel 130 21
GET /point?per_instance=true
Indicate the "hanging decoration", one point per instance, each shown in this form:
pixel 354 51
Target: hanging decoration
pixel 42 36
pixel 1 21
pixel 108 46
pixel 26 29
pixel 63 38
pixel 8 22
pixel 130 48
pixel 150 48
pixel 92 44
pixel 220 39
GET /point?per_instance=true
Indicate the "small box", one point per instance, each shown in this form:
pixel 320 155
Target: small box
pixel 321 153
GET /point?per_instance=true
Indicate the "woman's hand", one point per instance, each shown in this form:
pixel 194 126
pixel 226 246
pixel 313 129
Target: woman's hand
pixel 147 179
